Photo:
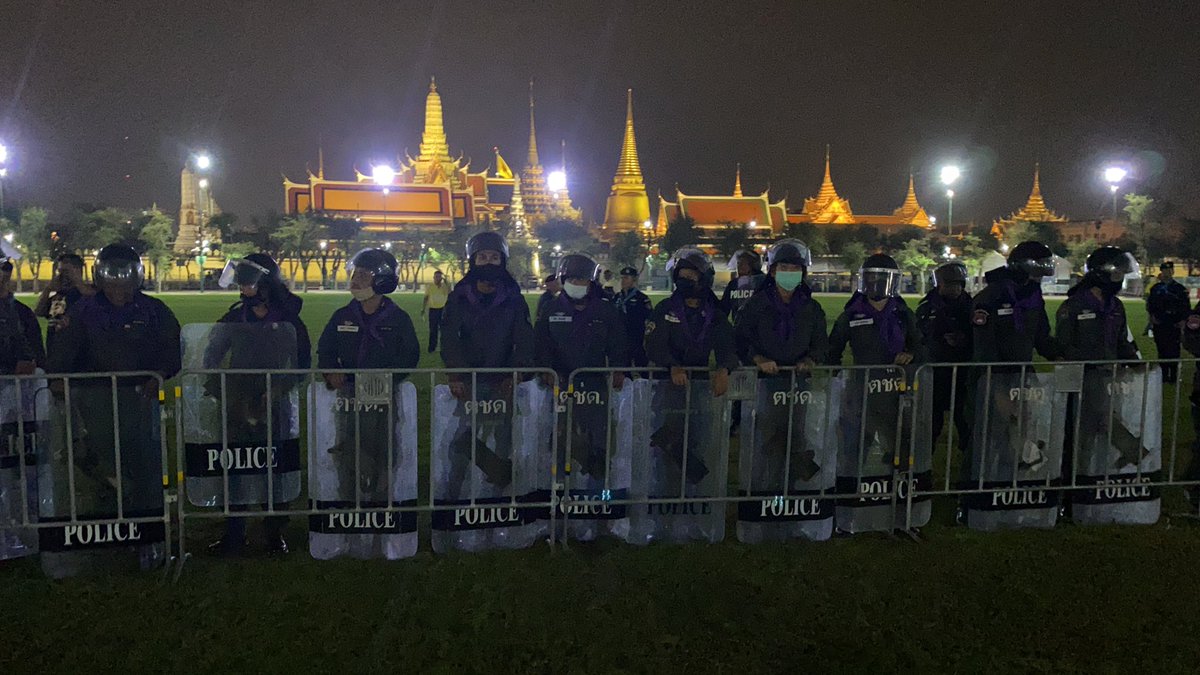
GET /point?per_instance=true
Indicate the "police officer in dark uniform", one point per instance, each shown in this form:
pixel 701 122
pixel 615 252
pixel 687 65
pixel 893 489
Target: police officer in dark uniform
pixel 66 289
pixel 21 348
pixel 581 330
pixel 486 325
pixel 1167 306
pixel 265 299
pixel 635 308
pixel 371 332
pixel 118 329
pixel 944 317
pixel 877 323
pixel 1009 314
pixel 782 326
pixel 747 280
pixel 553 289
pixel 685 331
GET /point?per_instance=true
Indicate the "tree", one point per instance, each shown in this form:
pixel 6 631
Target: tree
pixel 1078 252
pixel 225 223
pixel 972 253
pixel 852 256
pixel 983 234
pixel 299 239
pixel 1046 233
pixel 158 235
pixel 1140 211
pixel 32 236
pixel 628 249
pixel 733 237
pixel 108 226
pixel 812 236
pixel 915 257
pixel 1189 242
pixel 680 232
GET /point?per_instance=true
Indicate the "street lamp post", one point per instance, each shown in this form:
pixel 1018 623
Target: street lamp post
pixel 202 251
pixel 1113 175
pixel 950 174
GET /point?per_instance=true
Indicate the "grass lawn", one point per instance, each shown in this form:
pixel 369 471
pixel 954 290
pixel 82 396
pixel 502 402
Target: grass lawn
pixel 1102 599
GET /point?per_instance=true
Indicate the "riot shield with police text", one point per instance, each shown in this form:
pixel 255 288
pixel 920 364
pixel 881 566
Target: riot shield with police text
pixel 874 453
pixel 362 460
pixel 1015 451
pixel 100 485
pixel 241 420
pixel 1118 446
pixel 485 467
pixel 24 421
pixel 788 460
pixel 596 437
pixel 681 455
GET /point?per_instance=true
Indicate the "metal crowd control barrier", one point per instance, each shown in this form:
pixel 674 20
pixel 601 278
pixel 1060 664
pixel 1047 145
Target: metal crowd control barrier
pixel 489 475
pixel 83 466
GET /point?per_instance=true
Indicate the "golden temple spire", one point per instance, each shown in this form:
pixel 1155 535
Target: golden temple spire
pixel 1036 204
pixel 910 199
pixel 629 169
pixel 433 140
pixel 737 181
pixel 533 159
pixel 827 192
pixel 320 161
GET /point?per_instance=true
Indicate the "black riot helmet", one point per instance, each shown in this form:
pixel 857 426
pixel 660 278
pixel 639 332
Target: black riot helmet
pixel 6 264
pixel 950 273
pixel 253 270
pixel 879 277
pixel 1031 260
pixel 118 267
pixel 752 258
pixel 790 251
pixel 577 266
pixel 487 241
pixel 382 266
pixel 1109 266
pixel 694 258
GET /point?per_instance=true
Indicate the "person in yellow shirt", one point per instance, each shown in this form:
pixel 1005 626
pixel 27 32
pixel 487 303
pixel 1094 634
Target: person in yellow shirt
pixel 435 300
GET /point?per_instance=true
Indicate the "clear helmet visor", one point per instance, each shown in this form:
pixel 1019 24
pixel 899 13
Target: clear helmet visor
pixel 118 274
pixel 239 272
pixel 1122 270
pixel 879 282
pixel 1037 268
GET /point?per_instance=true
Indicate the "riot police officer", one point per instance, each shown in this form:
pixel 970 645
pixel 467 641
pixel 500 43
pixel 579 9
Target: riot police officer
pixel 20 336
pixel 1009 315
pixel 748 278
pixel 876 323
pixel 371 332
pixel 265 300
pixel 580 329
pixel 781 325
pixel 944 317
pixel 635 308
pixel 1167 306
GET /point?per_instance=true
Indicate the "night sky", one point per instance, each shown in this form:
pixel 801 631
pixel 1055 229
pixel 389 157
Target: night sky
pixel 91 92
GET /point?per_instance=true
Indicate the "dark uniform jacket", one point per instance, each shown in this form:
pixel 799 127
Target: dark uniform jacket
pixel 784 333
pixel 1010 321
pixel 945 327
pixel 355 339
pixel 567 338
pixel 286 310
pixel 1168 303
pixel 875 338
pixel 141 335
pixel 20 336
pixel 1191 342
pixel 678 335
pixel 738 292
pixel 486 331
pixel 546 298
pixel 635 308
pixel 1091 329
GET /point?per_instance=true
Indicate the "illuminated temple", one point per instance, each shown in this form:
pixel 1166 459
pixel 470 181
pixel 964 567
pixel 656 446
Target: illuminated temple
pixel 1034 211
pixel 759 212
pixel 431 192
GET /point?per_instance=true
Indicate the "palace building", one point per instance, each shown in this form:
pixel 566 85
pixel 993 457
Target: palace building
pixel 628 206
pixel 433 191
pixel 1034 211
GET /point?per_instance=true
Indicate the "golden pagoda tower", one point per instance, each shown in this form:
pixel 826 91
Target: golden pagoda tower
pixel 516 213
pixel 827 206
pixel 737 181
pixel 628 205
pixel 533 182
pixel 1034 211
pixel 433 163
pixel 911 212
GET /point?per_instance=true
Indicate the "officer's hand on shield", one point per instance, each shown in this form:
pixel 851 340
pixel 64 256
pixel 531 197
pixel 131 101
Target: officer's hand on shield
pixel 458 390
pixel 506 388
pixel 767 366
pixel 806 365
pixel 24 368
pixel 547 380
pixel 903 359
pixel 618 381
pixel 679 376
pixel 720 382
pixel 334 381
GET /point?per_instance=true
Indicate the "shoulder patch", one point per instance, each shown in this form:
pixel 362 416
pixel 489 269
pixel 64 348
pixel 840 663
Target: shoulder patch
pixel 979 317
pixel 649 327
pixel 1193 322
pixel 671 318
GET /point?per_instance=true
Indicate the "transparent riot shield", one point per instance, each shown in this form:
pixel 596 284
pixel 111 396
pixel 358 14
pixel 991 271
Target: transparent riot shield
pixel 100 485
pixel 681 452
pixel 1118 446
pixel 24 421
pixel 241 430
pixel 366 430
pixel 1016 448
pixel 596 435
pixel 485 463
pixel 788 460
pixel 873 453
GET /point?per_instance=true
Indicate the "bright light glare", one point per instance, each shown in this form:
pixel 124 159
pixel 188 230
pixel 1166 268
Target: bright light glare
pixel 556 181
pixel 3 153
pixel 949 194
pixel 950 174
pixel 383 174
pixel 647 224
pixel 1115 174
pixel 753 224
pixel 932 220
pixel 203 161
pixel 203 183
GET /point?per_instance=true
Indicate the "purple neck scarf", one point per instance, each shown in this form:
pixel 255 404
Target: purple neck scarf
pixel 1021 306
pixel 370 324
pixel 786 313
pixel 887 320
pixel 1105 309
pixel 707 308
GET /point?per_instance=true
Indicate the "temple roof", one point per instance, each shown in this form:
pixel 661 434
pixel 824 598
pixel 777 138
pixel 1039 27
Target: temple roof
pixel 737 181
pixel 911 211
pixel 713 211
pixel 629 169
pixel 532 158
pixel 827 206
pixel 1035 210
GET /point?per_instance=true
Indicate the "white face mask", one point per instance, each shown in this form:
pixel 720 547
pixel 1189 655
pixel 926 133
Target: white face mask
pixel 362 294
pixel 575 292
